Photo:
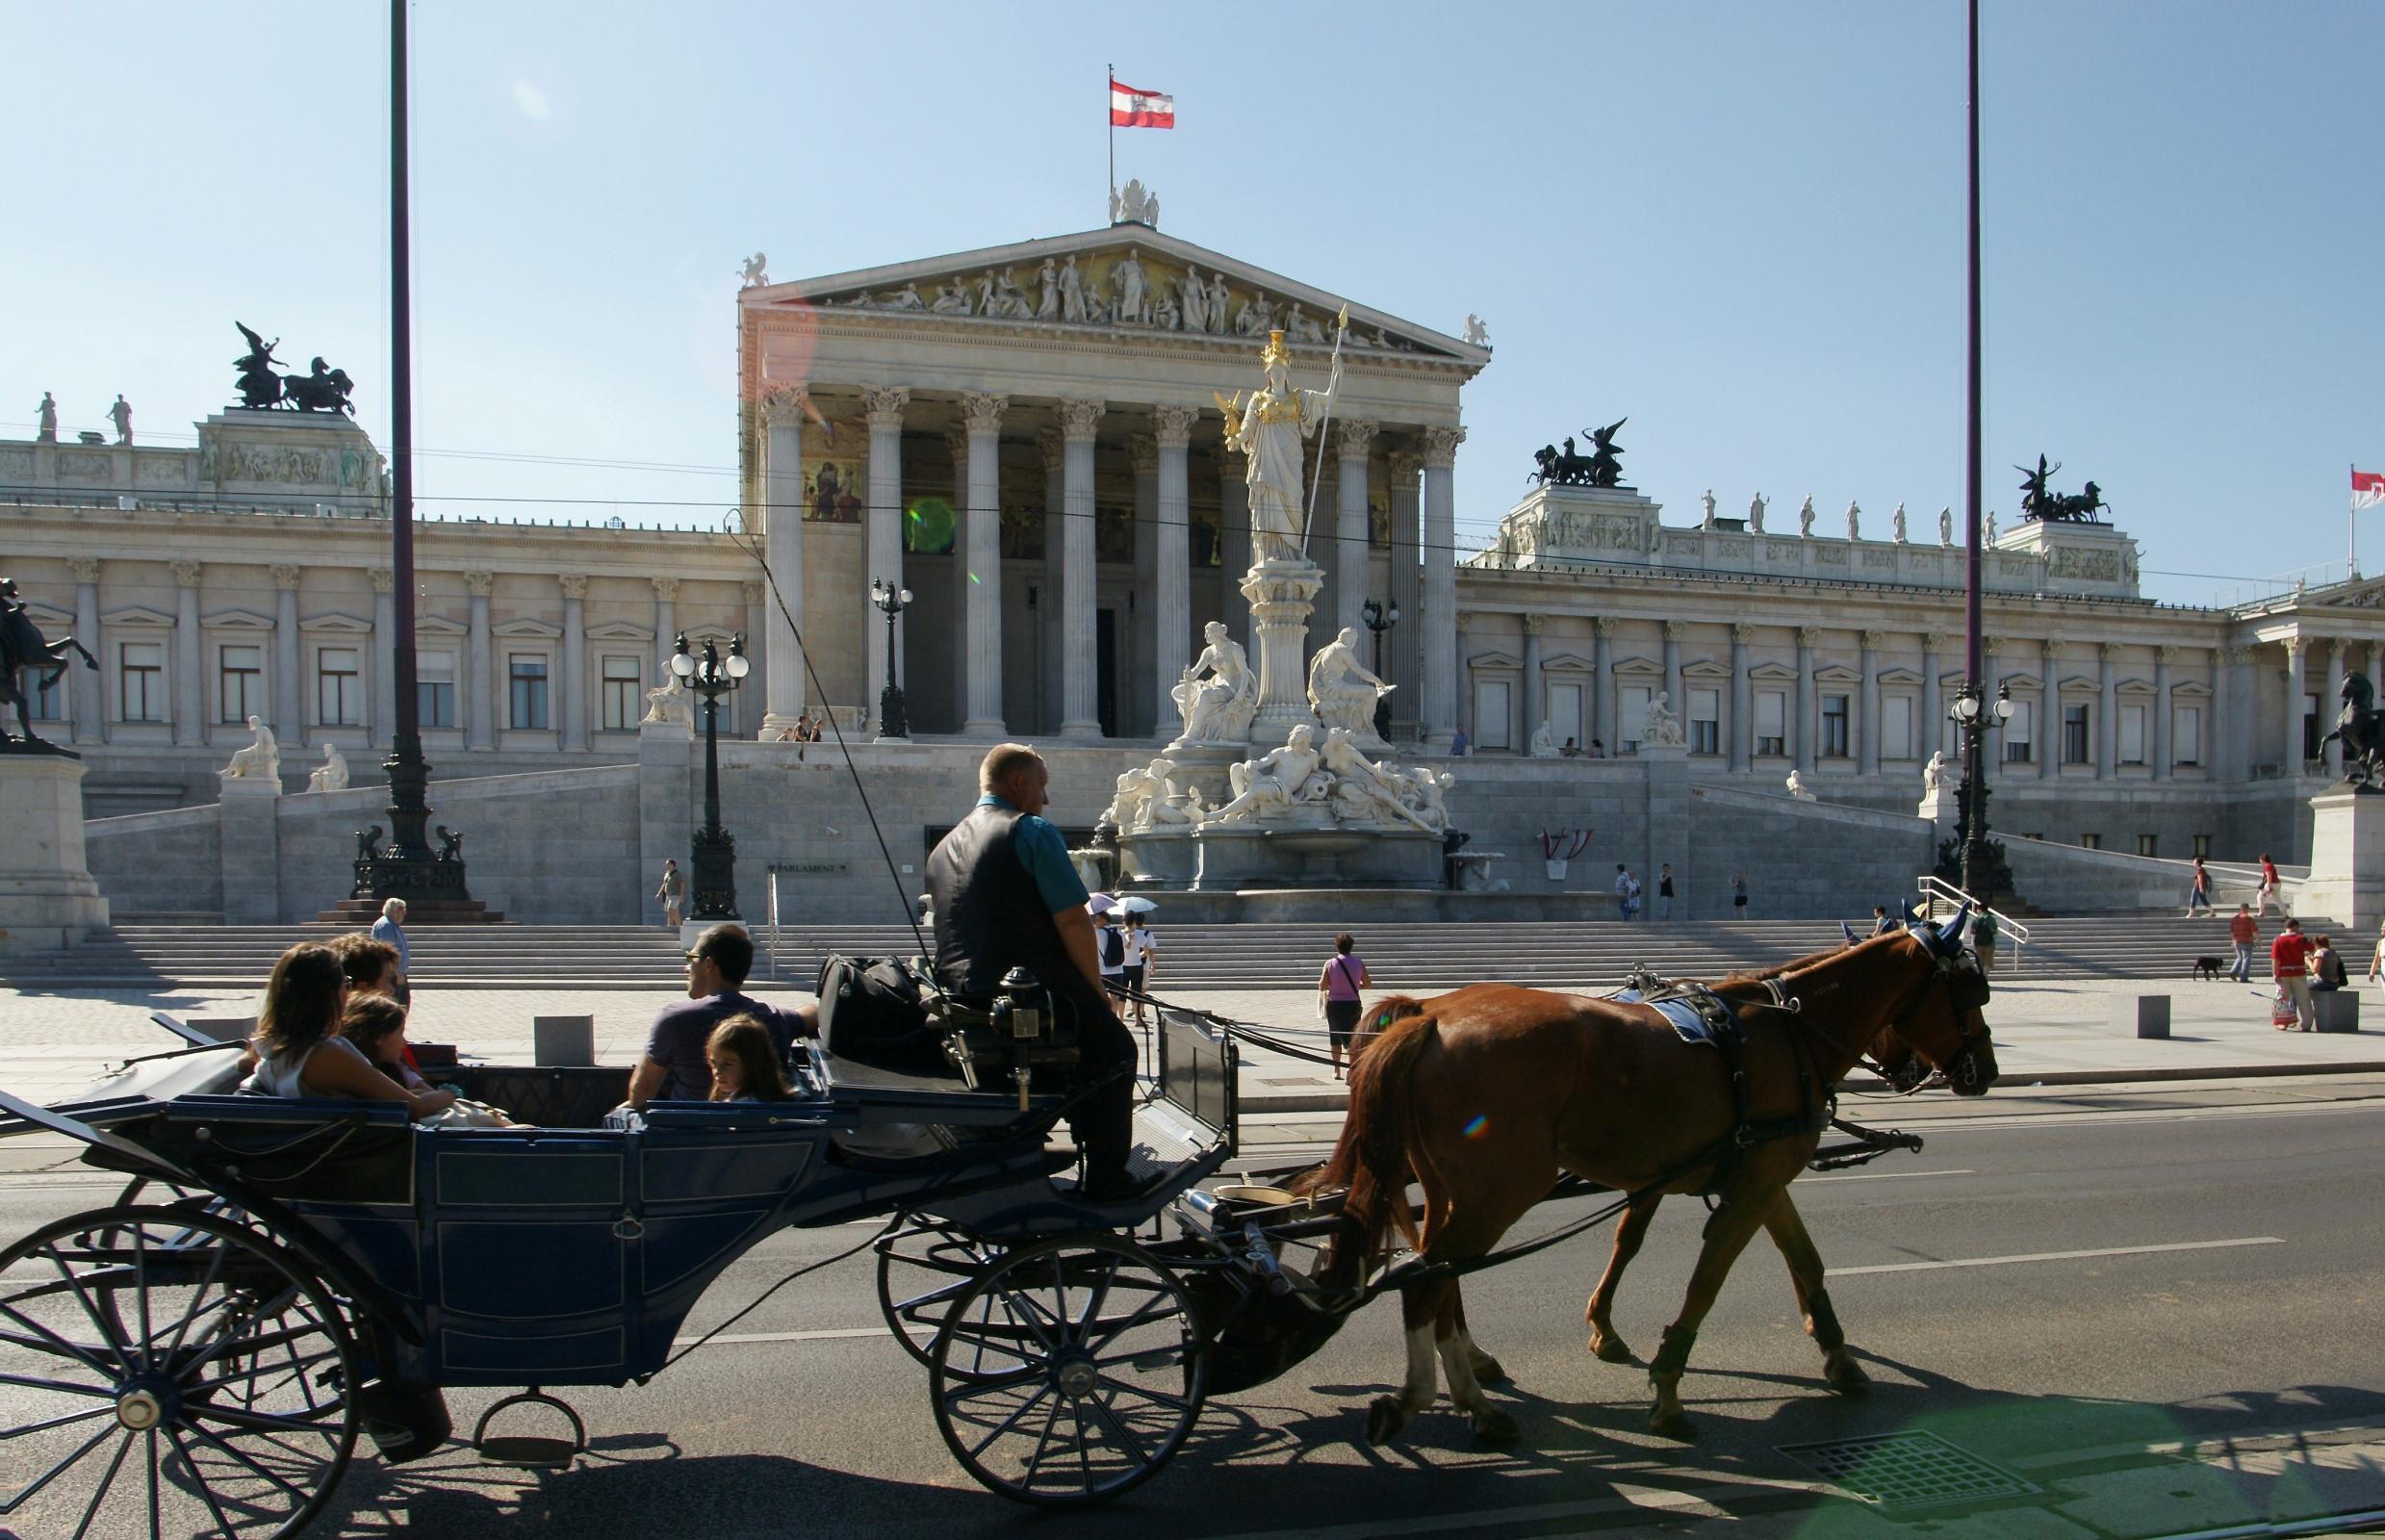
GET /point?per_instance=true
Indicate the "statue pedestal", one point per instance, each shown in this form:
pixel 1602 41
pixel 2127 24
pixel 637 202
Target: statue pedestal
pixel 48 901
pixel 1281 590
pixel 249 846
pixel 2346 884
pixel 1207 766
pixel 1937 805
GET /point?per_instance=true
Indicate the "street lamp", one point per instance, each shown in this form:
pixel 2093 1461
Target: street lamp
pixel 1975 717
pixel 715 862
pixel 892 722
pixel 1380 619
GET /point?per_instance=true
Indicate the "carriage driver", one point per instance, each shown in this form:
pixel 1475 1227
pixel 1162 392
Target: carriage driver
pixel 1005 896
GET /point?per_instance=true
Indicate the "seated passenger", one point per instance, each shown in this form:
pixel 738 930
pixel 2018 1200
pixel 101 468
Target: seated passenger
pixel 674 1066
pixel 376 1025
pixel 371 965
pixel 745 1061
pixel 298 1047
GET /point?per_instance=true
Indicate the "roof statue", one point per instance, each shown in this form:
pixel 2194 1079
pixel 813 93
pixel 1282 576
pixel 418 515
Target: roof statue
pixel 2039 500
pixel 1135 204
pixel 1601 466
pixel 1476 332
pixel 754 272
pixel 318 390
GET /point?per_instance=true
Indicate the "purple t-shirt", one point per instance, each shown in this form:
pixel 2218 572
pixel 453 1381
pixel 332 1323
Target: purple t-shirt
pixel 682 1031
pixel 1341 976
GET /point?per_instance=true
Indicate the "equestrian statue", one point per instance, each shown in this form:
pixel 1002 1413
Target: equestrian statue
pixel 2361 728
pixel 22 647
pixel 1601 466
pixel 2040 502
pixel 321 389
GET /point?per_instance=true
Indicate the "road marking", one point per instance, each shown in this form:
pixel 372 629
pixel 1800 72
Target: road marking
pixel 836 1334
pixel 2060 1256
pixel 1890 1176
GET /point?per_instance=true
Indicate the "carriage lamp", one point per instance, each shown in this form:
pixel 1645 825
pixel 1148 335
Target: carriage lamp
pixel 713 862
pixel 891 721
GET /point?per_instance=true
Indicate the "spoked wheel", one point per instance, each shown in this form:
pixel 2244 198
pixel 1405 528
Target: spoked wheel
pixel 1086 1372
pixel 923 1270
pixel 168 1373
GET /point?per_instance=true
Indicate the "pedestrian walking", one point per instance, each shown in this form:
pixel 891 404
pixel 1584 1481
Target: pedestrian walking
pixel 1984 934
pixel 2377 958
pixel 1738 897
pixel 2198 896
pixel 1664 890
pixel 2244 931
pixel 1109 946
pixel 2289 966
pixel 391 929
pixel 674 887
pixel 1339 1001
pixel 1623 892
pixel 2268 893
pixel 1141 949
pixel 1458 743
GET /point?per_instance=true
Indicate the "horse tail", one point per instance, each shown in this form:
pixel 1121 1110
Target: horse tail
pixel 1371 1156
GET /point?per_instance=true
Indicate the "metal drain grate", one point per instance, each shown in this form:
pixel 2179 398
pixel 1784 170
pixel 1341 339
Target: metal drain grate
pixel 1907 1471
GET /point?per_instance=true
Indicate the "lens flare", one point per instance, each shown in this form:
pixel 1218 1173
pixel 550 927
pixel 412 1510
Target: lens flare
pixel 1480 1126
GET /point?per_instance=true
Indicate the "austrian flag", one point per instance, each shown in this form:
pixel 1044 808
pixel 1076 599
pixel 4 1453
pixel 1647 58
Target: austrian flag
pixel 1130 108
pixel 2368 489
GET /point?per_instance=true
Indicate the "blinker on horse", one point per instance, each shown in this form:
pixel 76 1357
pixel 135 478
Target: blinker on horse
pixel 1485 1095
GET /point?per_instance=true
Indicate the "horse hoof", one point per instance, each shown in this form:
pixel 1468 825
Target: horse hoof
pixel 1487 1370
pixel 1676 1427
pixel 1385 1420
pixel 1846 1376
pixel 1494 1426
pixel 1612 1349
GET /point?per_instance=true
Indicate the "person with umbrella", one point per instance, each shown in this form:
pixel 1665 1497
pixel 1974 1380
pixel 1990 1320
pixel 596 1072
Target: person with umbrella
pixel 1141 949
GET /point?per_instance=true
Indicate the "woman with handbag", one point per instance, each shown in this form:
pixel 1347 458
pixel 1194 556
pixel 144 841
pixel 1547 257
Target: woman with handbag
pixel 1338 999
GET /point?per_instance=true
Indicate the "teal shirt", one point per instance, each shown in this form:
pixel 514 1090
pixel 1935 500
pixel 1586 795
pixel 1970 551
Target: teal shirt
pixel 1045 855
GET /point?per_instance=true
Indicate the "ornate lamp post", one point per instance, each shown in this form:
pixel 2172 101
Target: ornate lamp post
pixel 715 862
pixel 891 721
pixel 1379 619
pixel 1974 717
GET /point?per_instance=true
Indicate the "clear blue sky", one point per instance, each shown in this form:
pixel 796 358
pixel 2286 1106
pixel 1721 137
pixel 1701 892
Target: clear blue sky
pixel 1739 224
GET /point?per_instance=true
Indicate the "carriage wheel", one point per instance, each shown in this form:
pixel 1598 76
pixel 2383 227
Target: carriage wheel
pixel 923 1269
pixel 1087 1369
pixel 168 1372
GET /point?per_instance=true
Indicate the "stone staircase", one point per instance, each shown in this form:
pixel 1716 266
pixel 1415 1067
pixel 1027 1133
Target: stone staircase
pixel 1409 956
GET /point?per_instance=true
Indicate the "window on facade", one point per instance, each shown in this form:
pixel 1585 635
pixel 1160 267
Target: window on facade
pixel 1632 721
pixel 2186 735
pixel 1834 727
pixel 1771 714
pixel 1565 715
pixel 141 679
pixel 2148 845
pixel 2018 737
pixel 1706 720
pixel 339 687
pixel 526 674
pixel 2132 735
pixel 2202 846
pixel 241 683
pixel 2075 747
pixel 1491 727
pixel 2091 841
pixel 46 701
pixel 1896 728
pixel 622 679
pixel 434 689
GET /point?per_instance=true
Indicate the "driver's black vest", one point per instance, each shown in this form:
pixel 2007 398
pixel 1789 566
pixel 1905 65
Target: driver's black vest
pixel 990 915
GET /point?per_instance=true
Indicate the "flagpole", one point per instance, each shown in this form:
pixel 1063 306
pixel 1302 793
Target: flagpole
pixel 1308 520
pixel 2352 538
pixel 1108 115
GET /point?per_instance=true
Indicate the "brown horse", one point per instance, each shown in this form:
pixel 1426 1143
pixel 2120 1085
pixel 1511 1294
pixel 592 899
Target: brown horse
pixel 1485 1095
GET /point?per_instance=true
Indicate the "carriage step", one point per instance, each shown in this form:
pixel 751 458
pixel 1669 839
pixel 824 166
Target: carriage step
pixel 526 1451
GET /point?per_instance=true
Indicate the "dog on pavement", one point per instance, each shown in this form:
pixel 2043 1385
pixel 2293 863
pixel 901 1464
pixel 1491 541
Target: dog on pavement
pixel 2208 967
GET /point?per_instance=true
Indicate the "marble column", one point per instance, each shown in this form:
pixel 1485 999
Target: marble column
pixel 1602 682
pixel 574 671
pixel 384 715
pixel 783 553
pixel 1534 692
pixel 1672 630
pixel 1171 597
pixel 1351 566
pixel 1079 709
pixel 2298 685
pixel 2049 733
pixel 1049 604
pixel 1405 656
pixel 86 690
pixel 2162 753
pixel 1742 700
pixel 1234 546
pixel 189 690
pixel 1930 732
pixel 2107 711
pixel 289 697
pixel 1440 585
pixel 1807 637
pixel 955 623
pixel 2334 752
pixel 667 628
pixel 758 608
pixel 1867 730
pixel 481 686
pixel 1138 712
pixel 983 413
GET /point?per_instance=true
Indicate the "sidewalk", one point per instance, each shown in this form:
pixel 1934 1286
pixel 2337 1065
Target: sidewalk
pixel 2046 1033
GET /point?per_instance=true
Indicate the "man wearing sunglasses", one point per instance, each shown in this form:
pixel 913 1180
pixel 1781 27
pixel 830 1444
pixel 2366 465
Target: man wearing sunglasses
pixel 674 1066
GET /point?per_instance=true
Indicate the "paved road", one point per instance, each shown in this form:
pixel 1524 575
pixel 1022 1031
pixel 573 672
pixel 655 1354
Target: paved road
pixel 2172 1326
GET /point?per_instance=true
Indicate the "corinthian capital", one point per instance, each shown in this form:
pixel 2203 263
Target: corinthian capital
pixel 1353 439
pixel 983 410
pixel 1808 636
pixel 574 585
pixel 666 589
pixel 1405 464
pixel 1079 419
pixel 85 569
pixel 479 583
pixel 1441 446
pixel 1173 426
pixel 782 406
pixel 186 572
pixel 1142 454
pixel 285 576
pixel 384 579
pixel 1055 450
pixel 883 406
pixel 1533 624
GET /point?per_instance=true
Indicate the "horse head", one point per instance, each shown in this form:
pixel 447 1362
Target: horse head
pixel 1946 1024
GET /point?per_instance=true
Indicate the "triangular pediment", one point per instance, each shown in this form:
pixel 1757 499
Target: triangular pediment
pixel 1004 287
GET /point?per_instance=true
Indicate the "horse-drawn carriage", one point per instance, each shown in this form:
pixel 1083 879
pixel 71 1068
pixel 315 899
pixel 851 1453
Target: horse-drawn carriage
pixel 281 1275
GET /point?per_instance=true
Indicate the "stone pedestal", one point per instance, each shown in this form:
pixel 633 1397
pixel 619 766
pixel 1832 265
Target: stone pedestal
pixel 1208 767
pixel 48 901
pixel 248 845
pixel 666 809
pixel 1281 590
pixel 1937 805
pixel 2347 883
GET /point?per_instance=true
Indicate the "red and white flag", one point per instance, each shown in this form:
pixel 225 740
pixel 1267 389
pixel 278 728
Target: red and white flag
pixel 2368 489
pixel 1130 108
